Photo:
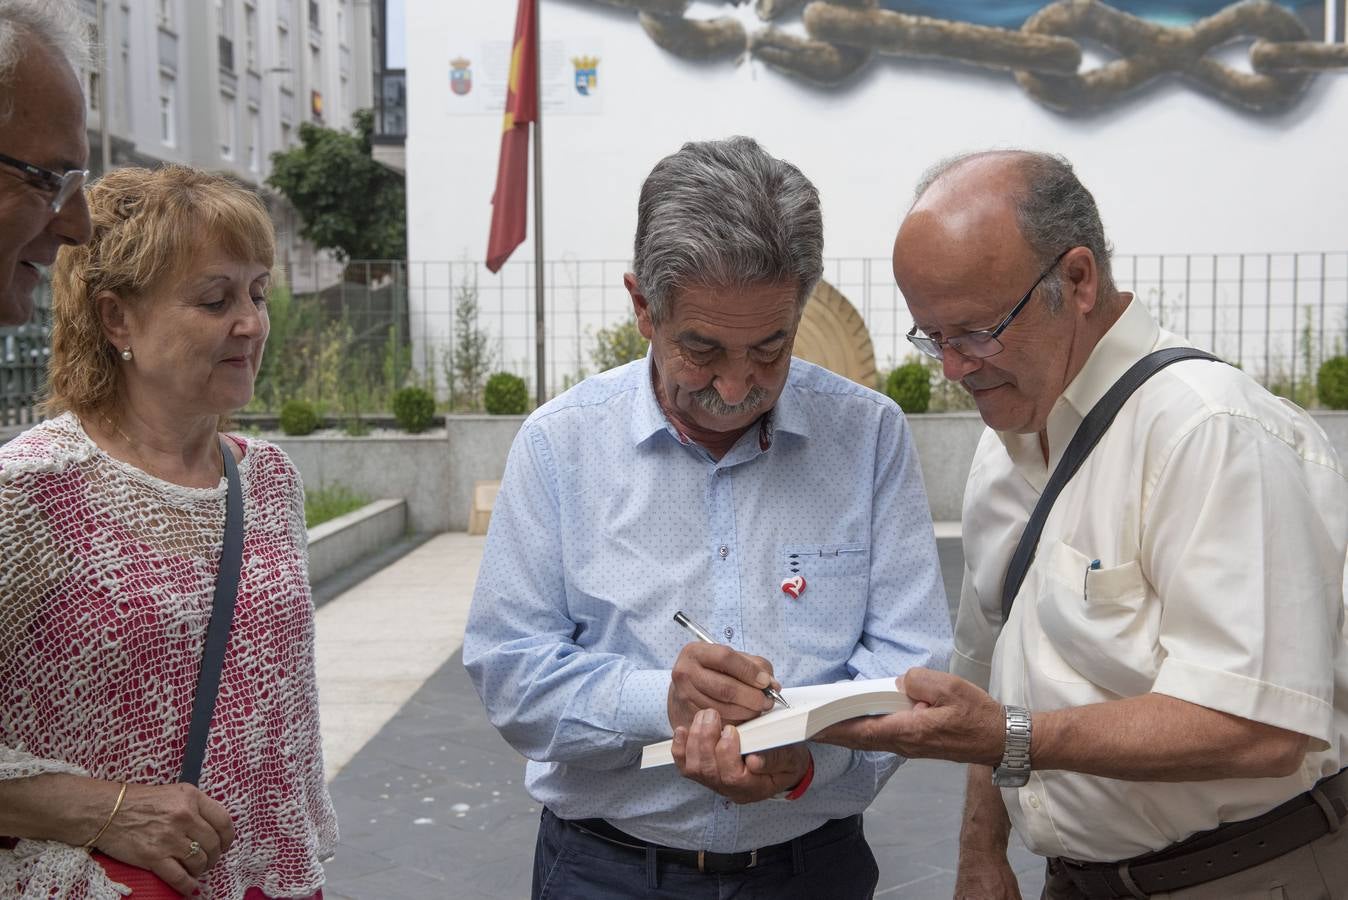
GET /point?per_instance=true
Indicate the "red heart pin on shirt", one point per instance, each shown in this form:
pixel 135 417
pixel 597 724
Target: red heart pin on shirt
pixel 793 587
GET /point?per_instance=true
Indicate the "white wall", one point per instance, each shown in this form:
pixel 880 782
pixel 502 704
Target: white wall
pixel 1173 170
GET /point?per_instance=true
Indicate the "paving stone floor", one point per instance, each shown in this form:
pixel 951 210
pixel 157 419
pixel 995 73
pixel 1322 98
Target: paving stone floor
pixel 433 806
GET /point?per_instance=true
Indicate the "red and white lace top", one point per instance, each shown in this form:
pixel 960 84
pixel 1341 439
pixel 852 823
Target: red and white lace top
pixel 106 582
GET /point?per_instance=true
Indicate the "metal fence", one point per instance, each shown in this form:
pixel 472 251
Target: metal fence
pixel 1278 315
pixel 23 364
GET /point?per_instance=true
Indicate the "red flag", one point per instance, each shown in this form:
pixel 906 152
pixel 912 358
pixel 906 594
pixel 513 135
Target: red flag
pixel 510 201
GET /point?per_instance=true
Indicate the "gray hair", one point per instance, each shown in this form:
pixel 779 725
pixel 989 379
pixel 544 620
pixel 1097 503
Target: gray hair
pixel 53 23
pixel 726 214
pixel 1055 212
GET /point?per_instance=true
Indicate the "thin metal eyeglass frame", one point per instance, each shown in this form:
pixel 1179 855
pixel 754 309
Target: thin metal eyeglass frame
pixel 934 348
pixel 62 186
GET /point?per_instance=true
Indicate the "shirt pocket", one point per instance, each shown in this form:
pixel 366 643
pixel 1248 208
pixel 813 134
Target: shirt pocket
pixel 830 612
pixel 1096 624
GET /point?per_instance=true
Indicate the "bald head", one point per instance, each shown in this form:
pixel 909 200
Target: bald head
pixel 980 200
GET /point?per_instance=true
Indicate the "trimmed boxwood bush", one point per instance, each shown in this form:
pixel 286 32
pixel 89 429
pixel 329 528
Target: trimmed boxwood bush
pixel 298 417
pixel 505 395
pixel 1331 382
pixel 910 386
pixel 414 408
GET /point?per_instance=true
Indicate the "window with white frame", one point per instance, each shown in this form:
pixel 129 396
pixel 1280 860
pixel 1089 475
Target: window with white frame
pixel 168 110
pixel 224 17
pixel 282 46
pixel 228 125
pixel 164 8
pixel 250 35
pixel 254 139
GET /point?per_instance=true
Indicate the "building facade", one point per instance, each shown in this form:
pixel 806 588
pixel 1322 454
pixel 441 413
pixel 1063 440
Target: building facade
pixel 223 84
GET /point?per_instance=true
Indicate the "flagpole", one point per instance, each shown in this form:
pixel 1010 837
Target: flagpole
pixel 540 381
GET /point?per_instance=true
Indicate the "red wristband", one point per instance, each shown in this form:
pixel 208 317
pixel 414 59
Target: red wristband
pixel 799 790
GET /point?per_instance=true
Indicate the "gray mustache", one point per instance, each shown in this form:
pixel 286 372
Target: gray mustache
pixel 711 401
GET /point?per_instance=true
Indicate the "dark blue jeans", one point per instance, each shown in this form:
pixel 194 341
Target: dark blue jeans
pixel 571 864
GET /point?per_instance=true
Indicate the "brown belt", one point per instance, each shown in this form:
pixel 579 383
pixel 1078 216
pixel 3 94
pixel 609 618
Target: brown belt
pixel 1225 850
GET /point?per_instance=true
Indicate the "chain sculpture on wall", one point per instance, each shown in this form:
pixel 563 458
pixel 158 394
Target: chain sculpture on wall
pixel 1044 54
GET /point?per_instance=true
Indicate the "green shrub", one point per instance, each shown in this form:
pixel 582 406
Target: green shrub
pixel 298 417
pixel 910 386
pixel 505 394
pixel 1332 382
pixel 414 408
pixel 329 502
pixel 618 345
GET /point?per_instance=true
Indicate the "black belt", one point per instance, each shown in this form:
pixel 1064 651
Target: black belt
pixel 712 863
pixel 1223 851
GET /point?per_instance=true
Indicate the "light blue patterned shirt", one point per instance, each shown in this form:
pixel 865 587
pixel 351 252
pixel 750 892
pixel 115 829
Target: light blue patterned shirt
pixel 608 522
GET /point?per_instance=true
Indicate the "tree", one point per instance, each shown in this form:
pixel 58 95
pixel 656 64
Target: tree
pixel 473 354
pixel 350 204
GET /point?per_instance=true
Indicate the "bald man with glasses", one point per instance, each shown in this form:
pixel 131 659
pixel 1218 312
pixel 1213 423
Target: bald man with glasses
pixel 44 150
pixel 1150 678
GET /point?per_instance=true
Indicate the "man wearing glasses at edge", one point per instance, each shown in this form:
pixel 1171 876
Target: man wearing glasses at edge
pixel 1174 667
pixel 43 147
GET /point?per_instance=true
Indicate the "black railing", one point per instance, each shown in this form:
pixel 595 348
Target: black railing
pixel 23 364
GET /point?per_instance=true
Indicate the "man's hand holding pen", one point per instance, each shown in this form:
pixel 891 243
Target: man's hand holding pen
pixel 713 688
pixel 714 676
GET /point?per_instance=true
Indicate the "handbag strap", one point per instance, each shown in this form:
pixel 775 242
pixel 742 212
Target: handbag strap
pixel 1088 434
pixel 222 617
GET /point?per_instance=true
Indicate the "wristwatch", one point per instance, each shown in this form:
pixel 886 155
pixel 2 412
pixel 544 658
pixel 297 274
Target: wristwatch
pixel 1014 769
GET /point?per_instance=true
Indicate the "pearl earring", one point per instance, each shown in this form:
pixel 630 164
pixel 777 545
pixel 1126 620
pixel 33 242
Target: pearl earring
pixel 126 354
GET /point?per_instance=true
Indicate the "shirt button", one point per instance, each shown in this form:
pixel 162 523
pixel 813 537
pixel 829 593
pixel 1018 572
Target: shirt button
pixel 1034 801
pixel 723 551
pixel 729 632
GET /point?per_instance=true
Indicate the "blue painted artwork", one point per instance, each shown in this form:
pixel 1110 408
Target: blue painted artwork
pixel 1162 12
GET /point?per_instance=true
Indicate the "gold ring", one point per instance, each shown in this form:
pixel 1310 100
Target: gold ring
pixel 193 849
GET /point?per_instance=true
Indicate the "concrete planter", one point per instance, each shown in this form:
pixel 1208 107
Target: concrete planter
pixel 434 471
pixel 339 542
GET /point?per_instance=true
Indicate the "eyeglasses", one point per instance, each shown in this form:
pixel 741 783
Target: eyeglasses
pixel 62 186
pixel 979 344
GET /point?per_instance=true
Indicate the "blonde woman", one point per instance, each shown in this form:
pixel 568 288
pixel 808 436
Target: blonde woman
pixel 112 515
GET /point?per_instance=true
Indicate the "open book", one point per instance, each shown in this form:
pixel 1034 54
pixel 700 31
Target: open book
pixel 813 708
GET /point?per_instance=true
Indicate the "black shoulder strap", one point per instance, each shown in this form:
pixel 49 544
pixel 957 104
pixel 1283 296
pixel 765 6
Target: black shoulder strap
pixel 1088 434
pixel 222 617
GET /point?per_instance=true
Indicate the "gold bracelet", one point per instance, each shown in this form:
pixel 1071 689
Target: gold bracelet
pixel 115 808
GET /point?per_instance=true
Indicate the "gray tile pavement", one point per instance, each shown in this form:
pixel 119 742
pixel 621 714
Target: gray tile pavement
pixel 434 807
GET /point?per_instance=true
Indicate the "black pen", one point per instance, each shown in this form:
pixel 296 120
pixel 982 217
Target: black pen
pixel 701 634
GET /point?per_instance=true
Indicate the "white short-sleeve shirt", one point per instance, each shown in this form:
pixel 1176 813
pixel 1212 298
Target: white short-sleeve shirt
pixel 1219 517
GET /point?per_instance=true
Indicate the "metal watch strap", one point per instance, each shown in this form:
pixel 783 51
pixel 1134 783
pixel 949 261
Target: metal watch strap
pixel 1014 769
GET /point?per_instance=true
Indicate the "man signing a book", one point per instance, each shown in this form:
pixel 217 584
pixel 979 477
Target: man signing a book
pixel 1157 698
pixel 775 503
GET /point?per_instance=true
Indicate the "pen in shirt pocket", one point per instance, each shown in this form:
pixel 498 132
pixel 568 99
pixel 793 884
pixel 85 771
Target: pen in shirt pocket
pixel 1093 567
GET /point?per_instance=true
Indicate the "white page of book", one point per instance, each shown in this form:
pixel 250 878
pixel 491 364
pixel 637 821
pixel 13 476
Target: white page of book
pixel 783 725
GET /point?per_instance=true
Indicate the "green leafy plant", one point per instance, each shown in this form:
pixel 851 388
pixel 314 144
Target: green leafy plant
pixel 330 501
pixel 472 356
pixel 414 408
pixel 347 202
pixel 298 417
pixel 506 394
pixel 909 385
pixel 1332 382
pixel 618 345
